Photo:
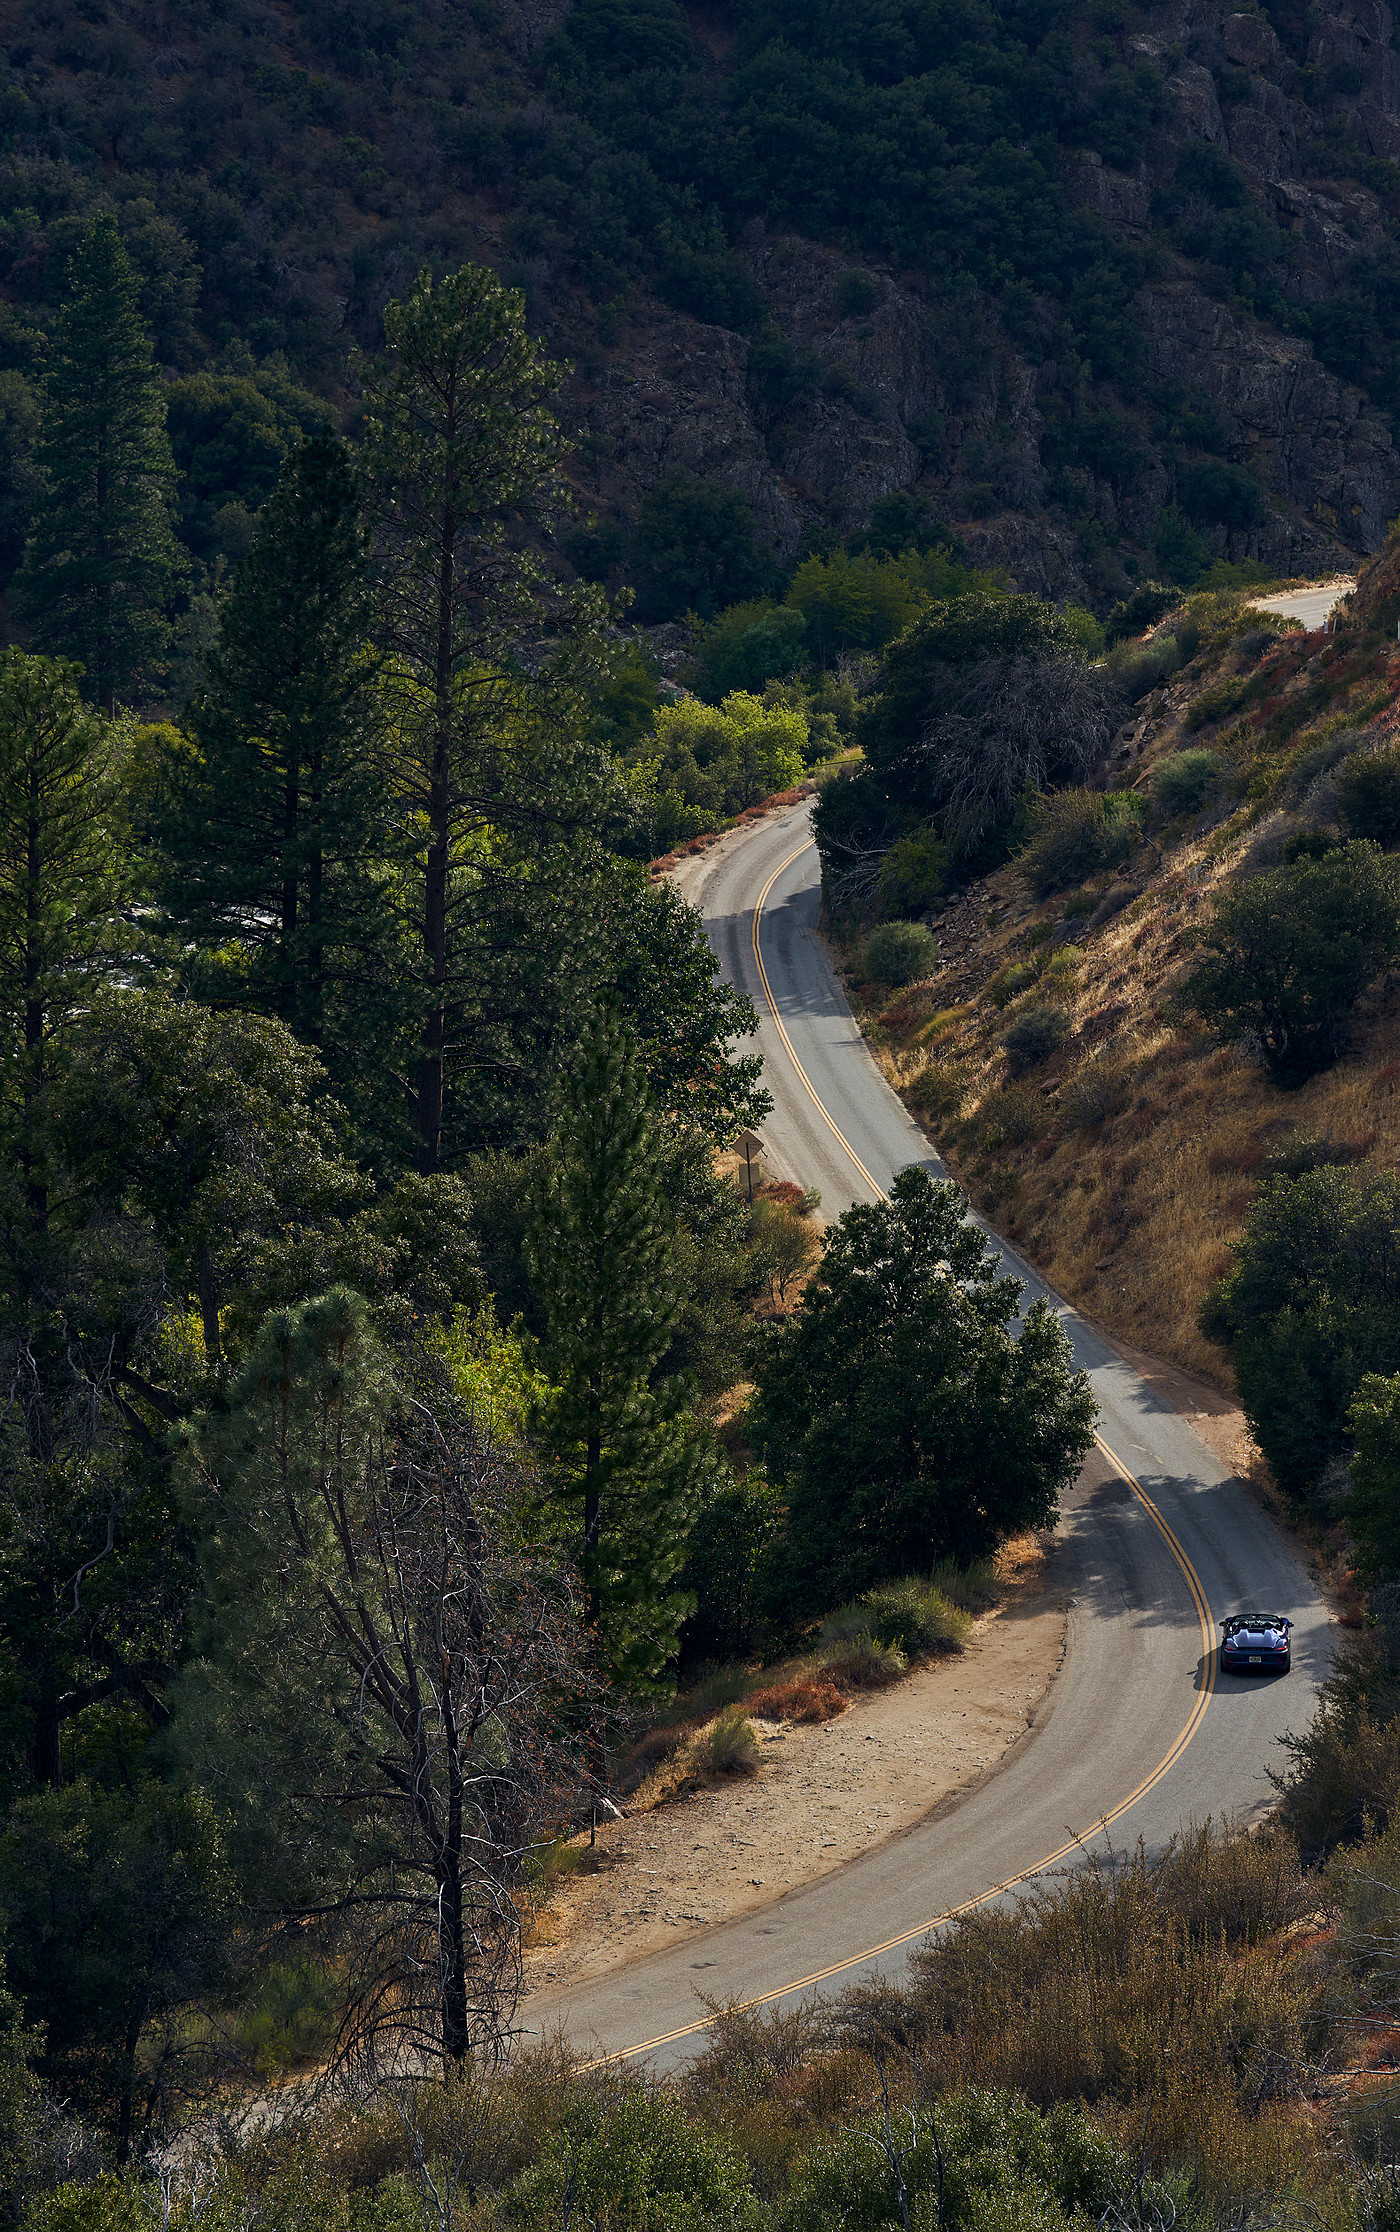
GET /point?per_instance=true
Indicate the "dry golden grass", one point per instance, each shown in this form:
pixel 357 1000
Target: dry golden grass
pixel 1131 1216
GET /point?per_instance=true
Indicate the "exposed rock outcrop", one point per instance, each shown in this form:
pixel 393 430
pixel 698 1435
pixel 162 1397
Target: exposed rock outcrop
pixel 924 390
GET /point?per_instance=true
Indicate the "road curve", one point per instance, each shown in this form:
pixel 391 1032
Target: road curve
pixel 1156 1542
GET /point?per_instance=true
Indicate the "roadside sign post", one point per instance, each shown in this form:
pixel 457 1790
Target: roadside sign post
pixel 751 1148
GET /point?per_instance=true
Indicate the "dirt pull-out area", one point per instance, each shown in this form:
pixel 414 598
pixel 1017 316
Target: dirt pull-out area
pixel 821 1797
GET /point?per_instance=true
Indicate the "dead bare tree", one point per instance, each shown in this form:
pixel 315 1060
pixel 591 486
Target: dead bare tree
pixel 389 1706
pixel 1004 726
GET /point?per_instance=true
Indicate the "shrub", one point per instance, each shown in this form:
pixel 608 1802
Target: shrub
pixel 729 1746
pixel 709 761
pixel 1036 1034
pixel 1014 1115
pixel 937 1090
pixel 855 294
pixel 911 874
pixel 634 2160
pixel 1344 1777
pixel 1078 833
pixel 900 953
pixel 1092 1094
pixel 736 1526
pixel 979 2160
pixel 859 1660
pixel 1369 795
pixel 1181 783
pixel 748 646
pixel 1010 982
pixel 1147 604
pixel 916 1618
pixel 1137 668
pixel 1289 953
pixel 810 1698
pixel 975 1587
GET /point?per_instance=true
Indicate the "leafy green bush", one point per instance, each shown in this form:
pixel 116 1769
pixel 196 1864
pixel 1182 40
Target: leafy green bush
pixel 1343 1776
pixel 977 2160
pixel 851 1654
pixel 1139 667
pixel 912 872
pixel 737 1523
pixel 1182 782
pixel 1036 1034
pixel 1147 604
pixel 916 1618
pixel 1369 795
pixel 900 953
pixel 1077 834
pixel 1288 954
pixel 633 2158
pixel 1010 982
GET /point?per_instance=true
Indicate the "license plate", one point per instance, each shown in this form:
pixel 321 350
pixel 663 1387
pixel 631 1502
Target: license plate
pixel 1256 1662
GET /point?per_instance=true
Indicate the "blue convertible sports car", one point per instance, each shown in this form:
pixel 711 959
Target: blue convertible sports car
pixel 1256 1642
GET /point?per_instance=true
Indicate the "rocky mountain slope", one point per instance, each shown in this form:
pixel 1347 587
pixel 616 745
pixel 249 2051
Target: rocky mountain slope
pixel 1173 338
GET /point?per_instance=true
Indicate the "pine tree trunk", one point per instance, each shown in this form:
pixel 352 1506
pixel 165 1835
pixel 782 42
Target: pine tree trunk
pixel 287 1001
pixel 313 1018
pixel 430 1079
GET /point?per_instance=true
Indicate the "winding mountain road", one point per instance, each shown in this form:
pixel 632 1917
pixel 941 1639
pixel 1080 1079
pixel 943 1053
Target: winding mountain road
pixel 1142 1733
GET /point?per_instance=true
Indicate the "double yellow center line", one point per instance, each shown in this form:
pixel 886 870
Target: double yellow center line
pixel 1198 1598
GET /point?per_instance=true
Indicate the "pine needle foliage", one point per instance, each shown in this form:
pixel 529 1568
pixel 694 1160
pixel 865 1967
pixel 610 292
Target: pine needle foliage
pixel 102 564
pixel 279 827
pixel 624 1460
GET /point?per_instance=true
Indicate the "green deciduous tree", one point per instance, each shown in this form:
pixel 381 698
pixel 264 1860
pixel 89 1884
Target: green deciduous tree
pixel 1373 1506
pixel 377 1696
pixel 279 825
pixel 1287 955
pixel 623 1459
pixel 1311 1306
pixel 903 1416
pixel 705 761
pixel 102 562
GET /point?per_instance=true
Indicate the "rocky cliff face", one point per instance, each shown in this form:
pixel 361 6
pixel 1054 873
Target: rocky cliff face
pixel 925 391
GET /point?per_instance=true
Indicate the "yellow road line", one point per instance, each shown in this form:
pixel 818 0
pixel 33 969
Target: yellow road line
pixel 1071 1844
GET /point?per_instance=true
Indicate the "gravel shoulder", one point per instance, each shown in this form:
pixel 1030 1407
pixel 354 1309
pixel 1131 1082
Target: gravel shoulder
pixel 822 1796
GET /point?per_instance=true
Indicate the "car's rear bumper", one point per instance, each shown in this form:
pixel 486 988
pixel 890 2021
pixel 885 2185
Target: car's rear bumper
pixel 1259 1663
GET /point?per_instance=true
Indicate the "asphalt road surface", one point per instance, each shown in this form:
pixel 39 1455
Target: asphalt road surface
pixel 1143 1733
pixel 1311 606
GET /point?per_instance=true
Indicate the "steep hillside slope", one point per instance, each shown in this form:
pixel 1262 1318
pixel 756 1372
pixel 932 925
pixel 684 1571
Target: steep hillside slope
pixel 1123 1164
pixel 1108 289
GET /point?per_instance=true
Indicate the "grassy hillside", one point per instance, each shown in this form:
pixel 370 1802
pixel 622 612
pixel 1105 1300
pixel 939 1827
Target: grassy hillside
pixel 1124 1162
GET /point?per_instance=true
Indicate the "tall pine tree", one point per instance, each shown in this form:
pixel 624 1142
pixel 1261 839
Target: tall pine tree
pixel 280 831
pixel 461 453
pixel 623 1456
pixel 102 564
